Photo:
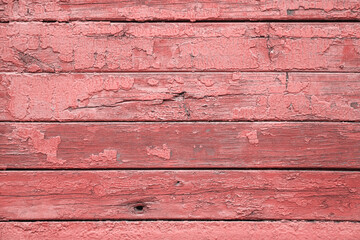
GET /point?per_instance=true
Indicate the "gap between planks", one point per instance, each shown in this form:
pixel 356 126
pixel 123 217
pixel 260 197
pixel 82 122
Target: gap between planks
pixel 196 21
pixel 173 72
pixel 328 169
pixel 177 71
pixel 182 220
pixel 176 121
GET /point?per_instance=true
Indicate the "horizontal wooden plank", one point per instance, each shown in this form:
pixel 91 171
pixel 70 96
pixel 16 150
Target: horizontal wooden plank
pixel 65 195
pixel 180 145
pixel 28 10
pixel 111 47
pixel 180 230
pixel 180 96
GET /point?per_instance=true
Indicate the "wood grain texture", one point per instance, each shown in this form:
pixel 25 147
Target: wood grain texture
pixel 180 96
pixel 65 195
pixel 180 145
pixel 113 47
pixel 29 10
pixel 180 230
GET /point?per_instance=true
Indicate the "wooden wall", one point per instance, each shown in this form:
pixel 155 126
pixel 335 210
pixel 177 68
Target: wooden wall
pixel 179 119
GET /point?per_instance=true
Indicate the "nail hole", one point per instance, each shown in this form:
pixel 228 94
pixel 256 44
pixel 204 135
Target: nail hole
pixel 290 12
pixel 178 183
pixel 139 208
pixel 354 105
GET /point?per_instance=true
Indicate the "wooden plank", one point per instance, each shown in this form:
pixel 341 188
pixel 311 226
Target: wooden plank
pixel 65 195
pixel 180 230
pixel 180 145
pixel 111 47
pixel 180 96
pixel 29 10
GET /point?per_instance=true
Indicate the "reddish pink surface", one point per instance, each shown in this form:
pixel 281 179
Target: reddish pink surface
pixel 181 230
pixel 191 10
pixel 180 96
pixel 113 47
pixel 179 145
pixel 180 194
pixel 179 110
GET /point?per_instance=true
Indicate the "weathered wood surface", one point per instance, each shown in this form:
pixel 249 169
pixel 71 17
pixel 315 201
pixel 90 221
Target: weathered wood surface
pixel 65 195
pixel 180 230
pixel 63 60
pixel 180 96
pixel 168 10
pixel 180 145
pixel 112 47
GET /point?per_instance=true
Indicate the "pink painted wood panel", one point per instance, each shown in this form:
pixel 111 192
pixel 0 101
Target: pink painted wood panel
pixel 179 145
pixel 211 195
pixel 180 96
pixel 170 10
pixel 114 47
pixel 180 230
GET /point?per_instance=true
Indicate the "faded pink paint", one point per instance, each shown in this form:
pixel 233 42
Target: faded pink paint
pixel 184 194
pixel 39 143
pixel 180 96
pixel 29 10
pixel 191 145
pixel 181 230
pixel 162 152
pixel 251 135
pixel 175 71
pixel 108 156
pixel 81 47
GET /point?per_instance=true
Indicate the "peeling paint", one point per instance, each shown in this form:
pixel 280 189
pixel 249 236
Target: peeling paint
pixel 208 82
pixel 161 152
pixel 40 144
pixel 108 155
pixel 153 82
pixel 126 83
pixel 251 135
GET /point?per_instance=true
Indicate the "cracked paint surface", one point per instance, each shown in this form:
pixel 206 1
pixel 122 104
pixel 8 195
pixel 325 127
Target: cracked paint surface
pixel 252 136
pixel 212 230
pixel 221 145
pixel 175 195
pixel 103 158
pixel 266 84
pixel 28 10
pixel 84 47
pixel 181 96
pixel 162 152
pixel 40 144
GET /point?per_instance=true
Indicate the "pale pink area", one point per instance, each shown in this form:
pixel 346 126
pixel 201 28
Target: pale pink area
pixel 161 152
pixel 40 144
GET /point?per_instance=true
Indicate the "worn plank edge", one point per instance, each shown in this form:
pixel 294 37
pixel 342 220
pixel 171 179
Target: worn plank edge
pixel 102 220
pixel 284 169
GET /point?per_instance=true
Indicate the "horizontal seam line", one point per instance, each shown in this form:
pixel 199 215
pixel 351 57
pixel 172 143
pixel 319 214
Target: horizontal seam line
pixel 178 220
pixel 179 121
pixel 183 71
pixel 243 169
pixel 224 20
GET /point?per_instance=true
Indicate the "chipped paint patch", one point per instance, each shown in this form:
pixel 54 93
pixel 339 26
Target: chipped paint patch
pixel 126 83
pixel 250 135
pixel 108 155
pixel 208 82
pixel 153 82
pixel 40 144
pixel 161 152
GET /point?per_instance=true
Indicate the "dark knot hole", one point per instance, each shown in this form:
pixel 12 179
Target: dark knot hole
pixel 139 208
